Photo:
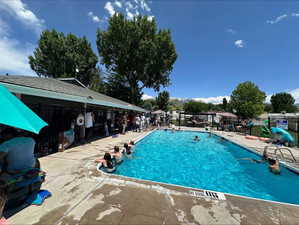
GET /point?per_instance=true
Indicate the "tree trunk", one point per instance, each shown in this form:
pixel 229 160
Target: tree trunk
pixel 134 93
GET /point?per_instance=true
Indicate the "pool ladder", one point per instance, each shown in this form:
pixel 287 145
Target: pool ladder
pixel 279 149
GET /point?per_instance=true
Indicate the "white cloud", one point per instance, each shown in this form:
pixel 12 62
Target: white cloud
pixel 144 6
pixel 130 15
pixel 232 31
pixel 277 19
pixel 118 4
pixel 93 17
pixel 214 100
pixel 14 56
pixel 109 7
pixel 3 28
pixel 150 18
pixel 295 14
pixel 129 5
pixel 145 97
pixel 239 43
pixel 295 94
pixel 20 11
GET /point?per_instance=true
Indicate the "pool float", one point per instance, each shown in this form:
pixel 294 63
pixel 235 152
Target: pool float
pixel 264 139
pixel 251 137
pixel 286 136
pixel 101 167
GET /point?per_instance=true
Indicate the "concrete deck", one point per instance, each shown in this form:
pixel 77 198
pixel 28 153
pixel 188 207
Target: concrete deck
pixel 82 195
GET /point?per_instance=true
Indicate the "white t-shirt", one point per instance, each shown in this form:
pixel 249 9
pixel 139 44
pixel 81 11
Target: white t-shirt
pixel 88 120
pixel 137 120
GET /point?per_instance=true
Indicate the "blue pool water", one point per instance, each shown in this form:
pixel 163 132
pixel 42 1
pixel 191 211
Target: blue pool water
pixel 175 158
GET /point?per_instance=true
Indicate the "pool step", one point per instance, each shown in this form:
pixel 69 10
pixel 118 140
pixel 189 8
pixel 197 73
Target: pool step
pixel 210 194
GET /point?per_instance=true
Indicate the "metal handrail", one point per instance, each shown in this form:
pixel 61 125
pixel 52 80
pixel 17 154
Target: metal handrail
pixel 266 148
pixel 294 159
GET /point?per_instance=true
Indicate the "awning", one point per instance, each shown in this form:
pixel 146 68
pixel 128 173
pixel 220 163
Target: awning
pixel 16 114
pixel 66 97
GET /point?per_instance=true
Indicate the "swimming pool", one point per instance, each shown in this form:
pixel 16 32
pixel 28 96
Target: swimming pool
pixel 210 164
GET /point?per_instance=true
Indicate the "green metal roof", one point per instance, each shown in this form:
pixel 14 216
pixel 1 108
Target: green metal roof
pixel 56 89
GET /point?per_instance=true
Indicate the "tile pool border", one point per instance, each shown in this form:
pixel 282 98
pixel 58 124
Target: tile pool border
pixel 198 189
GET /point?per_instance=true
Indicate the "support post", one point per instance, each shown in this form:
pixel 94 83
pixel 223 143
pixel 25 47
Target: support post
pixel 180 120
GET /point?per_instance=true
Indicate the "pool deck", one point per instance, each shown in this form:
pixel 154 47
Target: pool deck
pixel 82 195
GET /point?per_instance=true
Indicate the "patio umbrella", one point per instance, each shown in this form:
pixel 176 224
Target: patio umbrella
pixel 16 114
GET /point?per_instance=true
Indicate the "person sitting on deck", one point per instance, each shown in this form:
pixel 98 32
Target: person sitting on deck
pixel 117 155
pixel 196 138
pixel 106 164
pixel 274 166
pixel 18 151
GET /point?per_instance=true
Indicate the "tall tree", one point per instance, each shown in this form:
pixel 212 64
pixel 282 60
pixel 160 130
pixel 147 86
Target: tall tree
pixel 163 100
pixel 176 105
pixel 268 108
pixel 58 55
pixel 97 83
pixel 139 52
pixel 118 87
pixel 283 102
pixel 247 100
pixel 224 104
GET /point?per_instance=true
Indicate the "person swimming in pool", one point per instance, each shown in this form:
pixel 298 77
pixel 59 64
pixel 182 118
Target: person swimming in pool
pixel 274 166
pixel 196 138
pixel 265 158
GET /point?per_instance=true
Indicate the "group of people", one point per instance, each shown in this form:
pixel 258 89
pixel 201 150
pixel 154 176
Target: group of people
pixel 111 159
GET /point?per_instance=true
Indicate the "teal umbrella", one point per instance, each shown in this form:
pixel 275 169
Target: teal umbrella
pixel 16 114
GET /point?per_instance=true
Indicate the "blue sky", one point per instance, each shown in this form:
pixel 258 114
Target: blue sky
pixel 219 43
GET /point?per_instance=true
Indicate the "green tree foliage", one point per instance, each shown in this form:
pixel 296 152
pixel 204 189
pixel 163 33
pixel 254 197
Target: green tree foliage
pixel 97 83
pixel 147 105
pixel 224 104
pixel 283 102
pixel 176 105
pixel 214 107
pixel 268 108
pixel 247 100
pixel 195 107
pixel 139 52
pixel 58 55
pixel 150 104
pixel 118 87
pixel 163 100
